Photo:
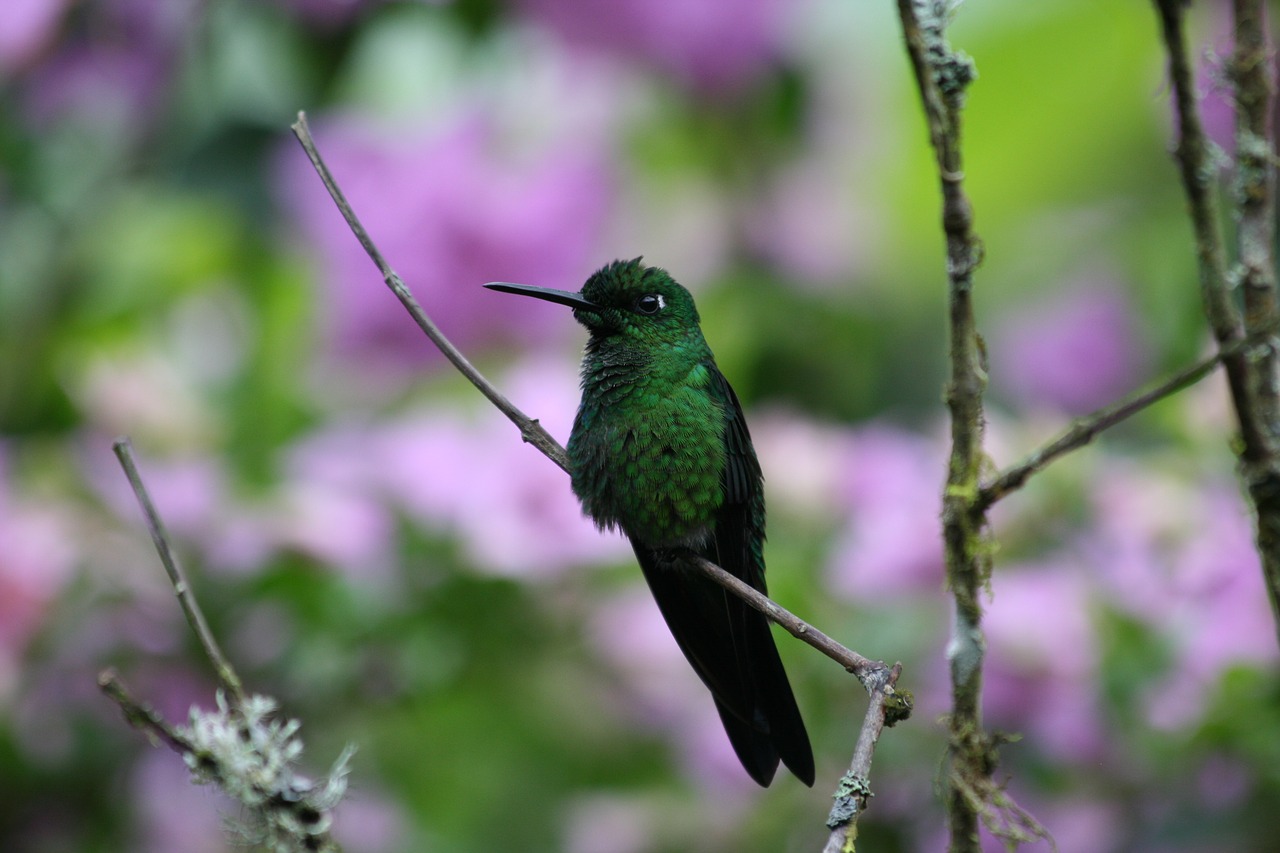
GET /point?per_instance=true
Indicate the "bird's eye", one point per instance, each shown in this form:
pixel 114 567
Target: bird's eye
pixel 650 303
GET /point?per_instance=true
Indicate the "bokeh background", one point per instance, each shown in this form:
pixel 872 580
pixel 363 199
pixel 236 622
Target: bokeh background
pixel 377 549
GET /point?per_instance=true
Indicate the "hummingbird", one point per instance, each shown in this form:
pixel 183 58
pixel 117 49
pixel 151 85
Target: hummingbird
pixel 660 450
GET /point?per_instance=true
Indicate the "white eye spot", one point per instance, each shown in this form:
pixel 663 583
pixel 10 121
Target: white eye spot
pixel 651 303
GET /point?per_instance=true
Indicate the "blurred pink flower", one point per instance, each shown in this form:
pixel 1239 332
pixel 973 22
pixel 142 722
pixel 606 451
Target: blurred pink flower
pixel 1213 84
pixel 660 692
pixel 800 458
pixel 311 511
pixel 26 28
pixel 451 210
pixel 710 45
pixel 1042 660
pixel 628 632
pixel 1216 110
pixel 37 558
pixel 812 226
pixel 1075 822
pixel 327 508
pixel 461 470
pixel 609 824
pixel 1222 782
pixel 474 477
pixel 364 823
pixel 892 539
pixel 173 814
pixel 1077 349
pixel 347 530
pixel 189 492
pixel 1179 555
pixel 114 69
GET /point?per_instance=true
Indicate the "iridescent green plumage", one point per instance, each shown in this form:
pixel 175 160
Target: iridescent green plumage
pixel 660 450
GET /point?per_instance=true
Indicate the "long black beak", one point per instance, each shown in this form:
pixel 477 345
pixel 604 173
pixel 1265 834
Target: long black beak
pixel 564 297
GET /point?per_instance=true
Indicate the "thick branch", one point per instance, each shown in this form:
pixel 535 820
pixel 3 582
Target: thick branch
pixel 1193 153
pixel 1251 375
pixel 942 75
pixel 186 598
pixel 1255 182
pixel 1255 199
pixel 1196 166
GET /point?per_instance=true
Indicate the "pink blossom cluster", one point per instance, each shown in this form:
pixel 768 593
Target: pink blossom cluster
pixel 707 45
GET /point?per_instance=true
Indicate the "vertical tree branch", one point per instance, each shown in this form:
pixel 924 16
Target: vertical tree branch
pixel 1251 373
pixel 1255 212
pixel 942 75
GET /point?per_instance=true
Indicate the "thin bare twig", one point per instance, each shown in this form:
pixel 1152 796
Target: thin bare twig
pixel 866 670
pixel 1087 428
pixel 181 588
pixel 140 715
pixel 530 430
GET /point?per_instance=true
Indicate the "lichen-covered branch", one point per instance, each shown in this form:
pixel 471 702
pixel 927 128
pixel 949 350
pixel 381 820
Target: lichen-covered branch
pixel 242 747
pixel 942 76
pixel 1250 71
pixel 887 707
pixel 1251 373
pixel 251 756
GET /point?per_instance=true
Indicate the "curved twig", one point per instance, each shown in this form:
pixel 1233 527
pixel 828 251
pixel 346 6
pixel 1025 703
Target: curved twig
pixel 530 430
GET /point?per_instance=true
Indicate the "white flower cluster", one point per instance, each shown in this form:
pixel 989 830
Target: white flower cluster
pixel 251 757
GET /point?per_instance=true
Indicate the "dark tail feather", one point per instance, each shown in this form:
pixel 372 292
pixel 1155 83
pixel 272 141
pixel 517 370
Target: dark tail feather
pixel 731 648
pixel 786 726
pixel 754 748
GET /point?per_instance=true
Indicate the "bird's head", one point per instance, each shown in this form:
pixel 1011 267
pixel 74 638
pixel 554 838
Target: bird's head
pixel 626 302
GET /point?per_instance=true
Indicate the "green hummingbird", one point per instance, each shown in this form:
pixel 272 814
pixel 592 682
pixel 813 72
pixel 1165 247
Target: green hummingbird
pixel 660 450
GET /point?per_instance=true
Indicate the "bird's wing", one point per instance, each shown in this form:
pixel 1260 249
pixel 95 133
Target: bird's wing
pixel 739 549
pixel 728 643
